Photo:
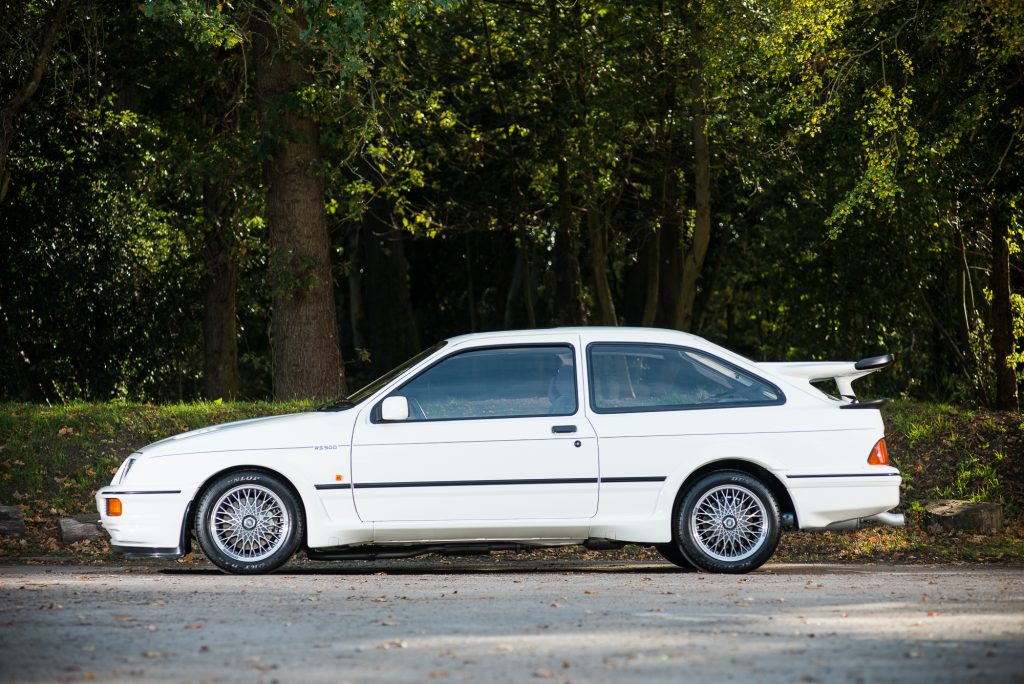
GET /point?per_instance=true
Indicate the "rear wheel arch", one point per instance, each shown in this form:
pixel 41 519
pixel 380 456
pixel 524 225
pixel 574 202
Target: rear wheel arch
pixel 765 476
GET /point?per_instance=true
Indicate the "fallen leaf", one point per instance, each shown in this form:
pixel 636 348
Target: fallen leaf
pixel 395 643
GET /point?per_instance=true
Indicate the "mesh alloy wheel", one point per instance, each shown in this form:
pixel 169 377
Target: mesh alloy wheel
pixel 249 522
pixel 729 523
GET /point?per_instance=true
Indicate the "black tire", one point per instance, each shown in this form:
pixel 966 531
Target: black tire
pixel 249 523
pixel 728 522
pixel 672 553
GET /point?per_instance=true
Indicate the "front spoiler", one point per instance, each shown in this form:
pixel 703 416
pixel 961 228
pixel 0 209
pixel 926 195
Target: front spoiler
pixel 887 519
pixel 147 552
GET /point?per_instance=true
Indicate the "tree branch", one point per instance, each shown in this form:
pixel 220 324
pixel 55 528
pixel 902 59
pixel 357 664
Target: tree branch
pixel 27 90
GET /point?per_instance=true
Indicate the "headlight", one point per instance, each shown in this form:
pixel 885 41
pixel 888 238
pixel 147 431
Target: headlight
pixel 122 472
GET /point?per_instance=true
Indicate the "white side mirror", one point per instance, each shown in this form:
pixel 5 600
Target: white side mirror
pixel 394 408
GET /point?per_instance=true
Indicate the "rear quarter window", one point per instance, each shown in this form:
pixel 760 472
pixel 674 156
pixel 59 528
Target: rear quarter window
pixel 628 378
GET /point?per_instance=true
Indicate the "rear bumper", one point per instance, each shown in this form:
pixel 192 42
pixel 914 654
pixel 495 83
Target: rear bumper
pixel 822 501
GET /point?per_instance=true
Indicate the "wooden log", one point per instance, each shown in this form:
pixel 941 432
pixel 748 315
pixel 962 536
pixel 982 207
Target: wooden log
pixel 72 531
pixel 974 516
pixel 12 522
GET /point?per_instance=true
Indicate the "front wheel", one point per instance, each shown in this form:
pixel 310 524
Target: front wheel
pixel 672 554
pixel 728 522
pixel 249 523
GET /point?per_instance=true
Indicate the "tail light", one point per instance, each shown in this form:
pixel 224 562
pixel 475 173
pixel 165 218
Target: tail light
pixel 879 454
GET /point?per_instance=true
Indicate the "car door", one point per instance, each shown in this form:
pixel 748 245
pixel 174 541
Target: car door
pixel 494 433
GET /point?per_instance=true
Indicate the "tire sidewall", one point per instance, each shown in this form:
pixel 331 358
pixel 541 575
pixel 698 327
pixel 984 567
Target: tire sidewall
pixel 205 509
pixel 692 550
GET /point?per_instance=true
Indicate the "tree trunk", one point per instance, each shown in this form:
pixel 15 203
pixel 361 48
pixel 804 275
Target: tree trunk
pixel 651 255
pixel 671 218
pixel 566 261
pixel 356 308
pixel 599 264
pixel 470 285
pixel 693 263
pixel 528 289
pixel 1002 317
pixel 220 331
pixel 35 77
pixel 304 331
pixel 391 332
pixel 515 291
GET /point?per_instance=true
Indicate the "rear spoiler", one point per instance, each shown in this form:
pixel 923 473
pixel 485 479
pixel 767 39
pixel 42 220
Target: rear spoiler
pixel 843 372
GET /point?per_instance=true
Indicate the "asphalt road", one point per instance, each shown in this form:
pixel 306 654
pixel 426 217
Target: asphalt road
pixel 512 620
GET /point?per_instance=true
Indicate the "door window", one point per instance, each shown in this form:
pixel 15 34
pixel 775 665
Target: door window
pixel 502 382
pixel 646 377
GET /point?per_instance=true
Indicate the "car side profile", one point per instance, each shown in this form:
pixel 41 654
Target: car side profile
pixel 534 438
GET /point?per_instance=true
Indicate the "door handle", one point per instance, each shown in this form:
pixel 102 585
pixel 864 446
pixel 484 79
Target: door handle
pixel 561 429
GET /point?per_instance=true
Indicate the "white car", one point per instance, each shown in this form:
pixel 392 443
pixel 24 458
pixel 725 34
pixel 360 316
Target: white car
pixel 594 436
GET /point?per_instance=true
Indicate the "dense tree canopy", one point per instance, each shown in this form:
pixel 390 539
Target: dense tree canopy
pixel 227 199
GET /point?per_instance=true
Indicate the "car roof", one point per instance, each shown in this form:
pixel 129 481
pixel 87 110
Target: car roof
pixel 609 333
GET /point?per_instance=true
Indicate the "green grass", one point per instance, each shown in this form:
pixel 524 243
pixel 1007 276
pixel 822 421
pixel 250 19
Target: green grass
pixel 52 458
pixel 946 452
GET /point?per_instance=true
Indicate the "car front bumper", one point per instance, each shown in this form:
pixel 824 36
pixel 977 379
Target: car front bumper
pixel 152 522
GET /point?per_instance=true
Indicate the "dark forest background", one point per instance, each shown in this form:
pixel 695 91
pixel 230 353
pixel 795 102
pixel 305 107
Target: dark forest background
pixel 284 198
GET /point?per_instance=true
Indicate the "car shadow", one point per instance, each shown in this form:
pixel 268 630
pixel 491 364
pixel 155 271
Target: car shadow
pixel 363 568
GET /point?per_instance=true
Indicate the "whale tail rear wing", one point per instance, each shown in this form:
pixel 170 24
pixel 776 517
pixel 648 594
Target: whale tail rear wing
pixel 842 372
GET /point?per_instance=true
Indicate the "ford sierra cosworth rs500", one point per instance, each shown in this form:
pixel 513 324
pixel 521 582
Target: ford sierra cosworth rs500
pixel 510 440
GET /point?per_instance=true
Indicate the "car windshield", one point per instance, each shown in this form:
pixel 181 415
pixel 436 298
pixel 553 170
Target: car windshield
pixel 347 402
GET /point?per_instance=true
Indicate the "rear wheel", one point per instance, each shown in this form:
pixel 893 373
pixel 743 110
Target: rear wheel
pixel 249 523
pixel 728 522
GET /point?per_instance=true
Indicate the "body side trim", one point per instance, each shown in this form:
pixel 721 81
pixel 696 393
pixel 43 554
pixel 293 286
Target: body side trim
pixel 798 477
pixel 491 483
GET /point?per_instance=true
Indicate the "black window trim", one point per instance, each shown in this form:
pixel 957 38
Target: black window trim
pixel 375 412
pixel 591 397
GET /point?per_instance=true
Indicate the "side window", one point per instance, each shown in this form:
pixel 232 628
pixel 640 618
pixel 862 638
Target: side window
pixel 648 377
pixel 506 382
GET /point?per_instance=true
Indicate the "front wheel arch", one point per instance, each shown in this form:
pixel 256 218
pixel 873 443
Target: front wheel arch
pixel 189 533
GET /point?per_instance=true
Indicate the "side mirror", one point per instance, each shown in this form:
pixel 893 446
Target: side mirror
pixel 394 409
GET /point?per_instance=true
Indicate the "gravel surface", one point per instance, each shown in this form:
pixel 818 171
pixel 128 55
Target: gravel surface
pixel 511 620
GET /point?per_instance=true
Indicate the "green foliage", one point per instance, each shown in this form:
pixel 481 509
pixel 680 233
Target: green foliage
pixel 973 481
pixel 861 155
pixel 948 452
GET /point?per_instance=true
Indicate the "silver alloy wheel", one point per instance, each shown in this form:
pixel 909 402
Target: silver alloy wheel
pixel 249 523
pixel 729 523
